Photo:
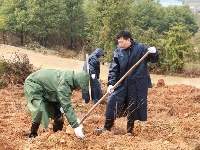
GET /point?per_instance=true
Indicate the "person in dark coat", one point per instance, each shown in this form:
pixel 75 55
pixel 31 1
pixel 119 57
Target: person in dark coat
pixel 130 97
pixel 94 70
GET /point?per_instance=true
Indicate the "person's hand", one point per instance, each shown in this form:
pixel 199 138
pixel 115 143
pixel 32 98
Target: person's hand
pixel 109 89
pixel 152 49
pixel 93 76
pixel 62 111
pixel 78 132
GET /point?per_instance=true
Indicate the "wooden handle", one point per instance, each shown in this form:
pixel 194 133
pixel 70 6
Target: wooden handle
pixel 127 73
pixel 88 71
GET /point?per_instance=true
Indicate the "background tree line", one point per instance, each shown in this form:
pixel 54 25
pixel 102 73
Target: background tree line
pixel 87 24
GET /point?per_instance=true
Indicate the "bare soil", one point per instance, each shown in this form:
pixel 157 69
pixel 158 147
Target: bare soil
pixel 173 115
pixel 173 123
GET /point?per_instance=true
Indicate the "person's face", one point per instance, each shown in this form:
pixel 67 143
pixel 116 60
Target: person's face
pixel 124 43
pixel 100 58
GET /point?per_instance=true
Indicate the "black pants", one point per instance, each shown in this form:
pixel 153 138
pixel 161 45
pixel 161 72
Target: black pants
pixel 130 101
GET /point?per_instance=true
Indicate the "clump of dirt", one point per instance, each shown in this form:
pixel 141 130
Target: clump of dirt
pixel 160 83
pixel 173 123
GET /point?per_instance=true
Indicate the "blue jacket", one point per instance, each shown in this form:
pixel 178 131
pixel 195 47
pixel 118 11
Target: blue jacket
pixel 94 65
pixel 130 97
pixel 94 62
pixel 123 60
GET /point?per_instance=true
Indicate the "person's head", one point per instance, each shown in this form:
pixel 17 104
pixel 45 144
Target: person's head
pixel 81 81
pixel 99 54
pixel 100 58
pixel 124 39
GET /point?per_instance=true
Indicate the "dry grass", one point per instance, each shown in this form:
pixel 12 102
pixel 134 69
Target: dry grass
pixel 14 70
pixel 192 70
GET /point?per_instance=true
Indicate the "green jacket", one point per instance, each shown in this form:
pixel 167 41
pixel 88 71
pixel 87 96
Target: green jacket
pixel 49 85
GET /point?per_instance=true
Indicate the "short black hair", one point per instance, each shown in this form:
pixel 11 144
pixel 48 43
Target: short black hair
pixel 125 34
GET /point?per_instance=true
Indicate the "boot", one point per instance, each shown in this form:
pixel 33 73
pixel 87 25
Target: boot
pixel 58 123
pixel 87 101
pixel 108 125
pixel 95 101
pixel 130 126
pixel 34 129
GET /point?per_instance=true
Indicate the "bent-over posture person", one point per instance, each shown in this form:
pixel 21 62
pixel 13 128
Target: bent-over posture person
pixel 48 90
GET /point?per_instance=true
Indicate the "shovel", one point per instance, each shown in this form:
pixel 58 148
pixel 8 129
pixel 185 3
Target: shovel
pixel 88 69
pixel 127 73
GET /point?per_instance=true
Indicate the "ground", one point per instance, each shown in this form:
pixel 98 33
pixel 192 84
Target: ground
pixel 173 115
pixel 173 123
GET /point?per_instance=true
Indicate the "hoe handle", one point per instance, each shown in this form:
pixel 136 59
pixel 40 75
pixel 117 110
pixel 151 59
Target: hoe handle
pixel 88 71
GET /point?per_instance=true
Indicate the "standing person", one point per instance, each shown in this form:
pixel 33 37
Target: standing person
pixel 130 97
pixel 48 90
pixel 94 70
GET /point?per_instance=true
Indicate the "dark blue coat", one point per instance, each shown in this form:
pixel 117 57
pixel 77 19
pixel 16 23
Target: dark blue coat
pixel 94 67
pixel 130 97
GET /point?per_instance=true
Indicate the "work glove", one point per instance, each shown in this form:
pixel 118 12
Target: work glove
pixel 152 49
pixel 78 132
pixel 93 76
pixel 109 89
pixel 62 111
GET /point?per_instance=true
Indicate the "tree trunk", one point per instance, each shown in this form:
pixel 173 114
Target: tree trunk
pixel 22 40
pixel 45 41
pixel 41 41
pixel 71 43
pixel 25 37
pixel 71 38
pixel 22 36
pixel 4 37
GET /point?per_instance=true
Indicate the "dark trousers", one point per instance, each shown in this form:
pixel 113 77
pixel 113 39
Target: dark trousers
pixel 129 101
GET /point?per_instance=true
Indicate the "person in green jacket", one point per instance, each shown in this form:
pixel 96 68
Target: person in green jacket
pixel 47 94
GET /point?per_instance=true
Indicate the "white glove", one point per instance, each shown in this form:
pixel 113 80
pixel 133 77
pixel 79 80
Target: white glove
pixel 93 76
pixel 62 111
pixel 109 90
pixel 79 132
pixel 152 49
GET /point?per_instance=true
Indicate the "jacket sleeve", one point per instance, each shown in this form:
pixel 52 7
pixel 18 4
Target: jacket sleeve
pixel 114 70
pixel 92 65
pixel 153 58
pixel 64 94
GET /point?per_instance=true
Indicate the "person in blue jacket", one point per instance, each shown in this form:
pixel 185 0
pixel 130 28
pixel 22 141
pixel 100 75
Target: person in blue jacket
pixel 130 97
pixel 94 70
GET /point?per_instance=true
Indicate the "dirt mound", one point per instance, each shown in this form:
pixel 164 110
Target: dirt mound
pixel 173 123
pixel 160 83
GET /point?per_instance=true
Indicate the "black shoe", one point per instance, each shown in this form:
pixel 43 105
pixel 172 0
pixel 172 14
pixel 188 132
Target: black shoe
pixel 130 126
pixel 58 123
pixel 32 136
pixel 57 126
pixel 100 130
pixel 108 125
pixel 34 129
